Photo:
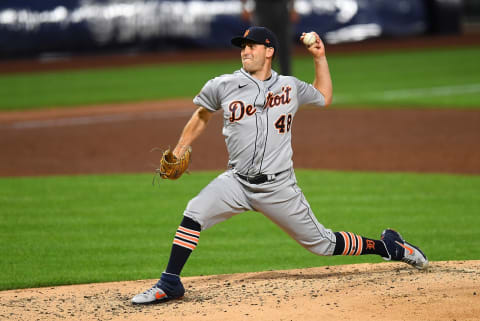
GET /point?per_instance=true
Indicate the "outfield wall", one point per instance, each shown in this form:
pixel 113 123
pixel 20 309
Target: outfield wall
pixel 30 28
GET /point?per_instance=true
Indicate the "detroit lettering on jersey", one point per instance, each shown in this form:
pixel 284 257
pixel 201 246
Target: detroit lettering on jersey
pixel 257 117
pixel 238 109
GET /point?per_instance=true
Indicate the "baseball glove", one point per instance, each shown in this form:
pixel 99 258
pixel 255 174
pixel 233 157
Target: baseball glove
pixel 172 167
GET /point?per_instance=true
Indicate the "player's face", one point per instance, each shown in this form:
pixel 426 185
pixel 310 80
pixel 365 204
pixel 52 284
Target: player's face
pixel 253 56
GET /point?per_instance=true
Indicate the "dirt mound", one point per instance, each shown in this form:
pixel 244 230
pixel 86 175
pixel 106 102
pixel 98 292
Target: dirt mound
pixel 119 138
pixel 385 291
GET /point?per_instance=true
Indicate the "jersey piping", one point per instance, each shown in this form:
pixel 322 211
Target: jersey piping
pixel 268 123
pixel 256 119
pixel 275 79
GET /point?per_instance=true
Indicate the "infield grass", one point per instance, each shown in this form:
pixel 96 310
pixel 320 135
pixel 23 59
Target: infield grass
pixel 81 229
pixel 425 78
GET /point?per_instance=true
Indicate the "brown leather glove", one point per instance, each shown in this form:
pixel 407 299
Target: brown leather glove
pixel 172 167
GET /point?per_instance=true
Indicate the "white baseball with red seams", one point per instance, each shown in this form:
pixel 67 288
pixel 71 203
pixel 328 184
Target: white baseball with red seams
pixel 309 39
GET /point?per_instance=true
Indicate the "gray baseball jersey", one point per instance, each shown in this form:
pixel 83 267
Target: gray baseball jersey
pixel 258 117
pixel 257 124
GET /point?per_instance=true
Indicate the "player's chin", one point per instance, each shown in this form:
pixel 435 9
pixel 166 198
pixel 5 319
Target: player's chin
pixel 246 66
pixel 249 66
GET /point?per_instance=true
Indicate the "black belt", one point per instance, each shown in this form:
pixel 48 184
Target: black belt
pixel 260 178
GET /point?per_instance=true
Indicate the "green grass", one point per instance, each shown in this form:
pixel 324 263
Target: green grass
pixel 424 78
pixel 97 86
pixel 79 229
pixel 440 78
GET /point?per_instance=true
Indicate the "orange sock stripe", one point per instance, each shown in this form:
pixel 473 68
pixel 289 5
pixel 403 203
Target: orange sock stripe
pixel 187 230
pixel 184 244
pixel 354 243
pixel 347 242
pixel 360 245
pixel 184 236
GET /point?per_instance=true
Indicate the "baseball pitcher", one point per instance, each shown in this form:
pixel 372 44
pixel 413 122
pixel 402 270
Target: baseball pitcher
pixel 259 107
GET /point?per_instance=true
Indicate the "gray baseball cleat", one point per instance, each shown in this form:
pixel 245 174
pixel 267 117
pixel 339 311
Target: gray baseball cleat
pixel 169 287
pixel 399 250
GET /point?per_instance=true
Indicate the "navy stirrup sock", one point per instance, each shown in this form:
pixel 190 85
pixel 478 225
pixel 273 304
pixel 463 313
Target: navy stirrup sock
pixel 352 244
pixel 185 241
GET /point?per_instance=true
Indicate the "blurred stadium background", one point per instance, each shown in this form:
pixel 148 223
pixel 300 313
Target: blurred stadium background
pixel 59 28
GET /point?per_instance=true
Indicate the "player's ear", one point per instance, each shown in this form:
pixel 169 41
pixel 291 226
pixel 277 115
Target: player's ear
pixel 270 52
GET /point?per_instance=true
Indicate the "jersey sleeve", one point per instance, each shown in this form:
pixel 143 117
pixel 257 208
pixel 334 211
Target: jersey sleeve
pixel 209 96
pixel 308 95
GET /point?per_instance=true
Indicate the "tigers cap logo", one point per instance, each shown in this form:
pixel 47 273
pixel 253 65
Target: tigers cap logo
pixel 246 33
pixel 267 41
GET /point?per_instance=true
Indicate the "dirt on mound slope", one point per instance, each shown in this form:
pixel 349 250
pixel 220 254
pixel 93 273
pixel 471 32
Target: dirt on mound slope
pixel 385 291
pixel 119 138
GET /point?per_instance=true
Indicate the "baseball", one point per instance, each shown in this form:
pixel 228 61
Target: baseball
pixel 309 39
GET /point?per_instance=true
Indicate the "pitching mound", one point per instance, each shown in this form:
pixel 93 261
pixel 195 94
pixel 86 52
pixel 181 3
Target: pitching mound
pixel 385 291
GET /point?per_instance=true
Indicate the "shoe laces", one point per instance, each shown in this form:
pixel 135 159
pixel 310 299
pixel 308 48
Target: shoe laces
pixel 152 289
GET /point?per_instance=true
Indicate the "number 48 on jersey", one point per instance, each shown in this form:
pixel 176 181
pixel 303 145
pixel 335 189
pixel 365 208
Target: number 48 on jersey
pixel 283 123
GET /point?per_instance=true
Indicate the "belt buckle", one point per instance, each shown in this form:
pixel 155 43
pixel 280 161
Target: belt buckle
pixel 262 178
pixel 271 177
pixel 255 179
pixel 258 179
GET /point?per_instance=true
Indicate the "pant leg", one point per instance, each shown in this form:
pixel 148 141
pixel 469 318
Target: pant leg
pixel 223 198
pixel 287 207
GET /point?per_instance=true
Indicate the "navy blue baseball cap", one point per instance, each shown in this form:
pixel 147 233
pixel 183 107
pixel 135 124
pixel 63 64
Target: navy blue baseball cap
pixel 260 35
